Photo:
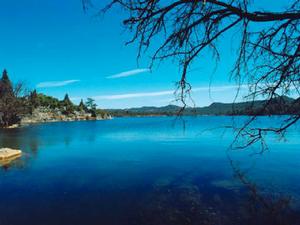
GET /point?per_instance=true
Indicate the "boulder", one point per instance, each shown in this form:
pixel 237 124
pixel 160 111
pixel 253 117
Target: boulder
pixel 13 126
pixel 8 153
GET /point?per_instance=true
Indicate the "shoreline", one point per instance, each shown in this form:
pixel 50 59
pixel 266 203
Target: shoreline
pixel 25 123
pixel 33 122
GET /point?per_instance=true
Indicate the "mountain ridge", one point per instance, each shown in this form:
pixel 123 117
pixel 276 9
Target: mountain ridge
pixel 277 106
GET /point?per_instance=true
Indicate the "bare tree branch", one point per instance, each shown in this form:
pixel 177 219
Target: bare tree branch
pixel 268 55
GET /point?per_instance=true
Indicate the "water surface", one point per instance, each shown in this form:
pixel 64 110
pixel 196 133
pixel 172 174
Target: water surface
pixel 148 171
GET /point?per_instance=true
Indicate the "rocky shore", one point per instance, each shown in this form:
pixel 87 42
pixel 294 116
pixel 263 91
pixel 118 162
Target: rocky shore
pixel 44 114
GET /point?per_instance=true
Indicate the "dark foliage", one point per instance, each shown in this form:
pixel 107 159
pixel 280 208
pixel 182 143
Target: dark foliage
pixel 11 105
pixel 82 106
pixel 33 100
pixel 92 106
pixel 67 106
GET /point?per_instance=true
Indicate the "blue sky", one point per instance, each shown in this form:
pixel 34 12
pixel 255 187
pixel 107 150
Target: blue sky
pixel 57 48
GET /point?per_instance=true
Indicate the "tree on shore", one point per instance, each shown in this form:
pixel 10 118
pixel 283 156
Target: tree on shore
pixel 11 105
pixel 82 107
pixel 268 46
pixel 67 100
pixel 6 87
pixel 33 100
pixel 67 105
pixel 92 106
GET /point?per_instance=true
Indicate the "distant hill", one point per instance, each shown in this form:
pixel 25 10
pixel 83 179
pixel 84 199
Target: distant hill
pixel 277 106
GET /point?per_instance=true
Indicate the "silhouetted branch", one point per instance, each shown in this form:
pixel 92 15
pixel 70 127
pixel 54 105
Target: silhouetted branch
pixel 268 55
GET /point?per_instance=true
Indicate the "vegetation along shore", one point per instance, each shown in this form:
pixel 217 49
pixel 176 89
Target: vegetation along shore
pixel 19 107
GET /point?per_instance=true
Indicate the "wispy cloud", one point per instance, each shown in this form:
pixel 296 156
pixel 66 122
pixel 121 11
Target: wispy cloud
pixel 56 83
pixel 219 88
pixel 133 95
pixel 163 93
pixel 129 73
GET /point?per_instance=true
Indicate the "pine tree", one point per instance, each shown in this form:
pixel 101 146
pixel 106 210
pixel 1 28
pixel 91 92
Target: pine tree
pixel 11 107
pixel 5 76
pixel 5 85
pixel 67 105
pixel 82 106
pixel 33 100
pixel 67 99
pixel 90 103
pixel 92 106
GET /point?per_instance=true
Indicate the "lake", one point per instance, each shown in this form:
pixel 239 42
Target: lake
pixel 151 171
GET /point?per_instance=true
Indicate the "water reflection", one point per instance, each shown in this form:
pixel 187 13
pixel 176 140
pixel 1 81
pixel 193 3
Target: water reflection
pixel 264 207
pixel 5 163
pixel 33 138
pixel 192 200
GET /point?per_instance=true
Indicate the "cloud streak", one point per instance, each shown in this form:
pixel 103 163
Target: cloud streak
pixel 55 83
pixel 133 95
pixel 219 88
pixel 164 93
pixel 129 73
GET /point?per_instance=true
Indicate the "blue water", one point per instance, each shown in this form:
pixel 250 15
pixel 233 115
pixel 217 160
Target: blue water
pixel 151 170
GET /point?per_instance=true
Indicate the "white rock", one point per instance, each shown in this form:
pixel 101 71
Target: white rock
pixel 7 153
